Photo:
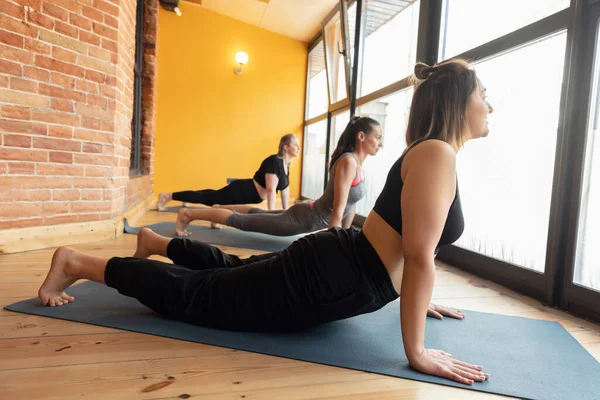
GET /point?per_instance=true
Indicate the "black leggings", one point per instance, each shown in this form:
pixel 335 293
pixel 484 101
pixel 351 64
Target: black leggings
pixel 322 277
pixel 240 191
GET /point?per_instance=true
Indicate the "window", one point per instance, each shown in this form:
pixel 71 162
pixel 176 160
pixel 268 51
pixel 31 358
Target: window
pixel 392 113
pixel 587 264
pixel 338 124
pixel 351 32
pixel 467 24
pixel 313 162
pixel 335 60
pixel 317 82
pixel 390 43
pixel 505 179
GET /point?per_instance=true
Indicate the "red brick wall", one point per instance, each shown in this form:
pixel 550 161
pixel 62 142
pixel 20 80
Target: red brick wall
pixel 66 104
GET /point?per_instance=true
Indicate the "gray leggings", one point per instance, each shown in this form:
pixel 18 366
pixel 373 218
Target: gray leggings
pixel 297 219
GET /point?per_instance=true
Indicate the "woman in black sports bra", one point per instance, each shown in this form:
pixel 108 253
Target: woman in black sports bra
pixel 272 177
pixel 329 275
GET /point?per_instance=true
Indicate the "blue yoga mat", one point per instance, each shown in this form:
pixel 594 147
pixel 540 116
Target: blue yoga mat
pixel 224 237
pixel 175 209
pixel 526 358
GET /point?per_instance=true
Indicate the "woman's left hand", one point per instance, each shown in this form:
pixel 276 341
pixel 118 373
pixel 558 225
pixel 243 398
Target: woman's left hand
pixel 437 311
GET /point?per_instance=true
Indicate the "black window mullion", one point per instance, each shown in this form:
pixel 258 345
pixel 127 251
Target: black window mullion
pixel 358 53
pixel 430 15
pixel 136 143
pixel 327 148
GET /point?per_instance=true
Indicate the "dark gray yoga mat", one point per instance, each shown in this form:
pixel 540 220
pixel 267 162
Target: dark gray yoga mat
pixel 224 237
pixel 175 209
pixel 526 358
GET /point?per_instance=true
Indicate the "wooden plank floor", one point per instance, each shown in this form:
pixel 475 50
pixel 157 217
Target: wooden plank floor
pixel 52 359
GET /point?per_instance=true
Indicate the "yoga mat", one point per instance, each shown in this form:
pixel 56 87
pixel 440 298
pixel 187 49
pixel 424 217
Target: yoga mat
pixel 224 237
pixel 526 358
pixel 175 209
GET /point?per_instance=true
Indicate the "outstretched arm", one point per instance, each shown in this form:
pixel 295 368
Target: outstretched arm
pixel 271 181
pixel 428 192
pixel 345 170
pixel 285 198
pixel 347 221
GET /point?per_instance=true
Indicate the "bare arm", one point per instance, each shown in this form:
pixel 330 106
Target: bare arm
pixel 428 192
pixel 347 221
pixel 285 197
pixel 271 181
pixel 345 170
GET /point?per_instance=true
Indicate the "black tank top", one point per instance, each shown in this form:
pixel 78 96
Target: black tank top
pixel 272 165
pixel 388 205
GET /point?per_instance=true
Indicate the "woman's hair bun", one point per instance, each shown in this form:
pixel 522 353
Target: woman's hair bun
pixel 423 71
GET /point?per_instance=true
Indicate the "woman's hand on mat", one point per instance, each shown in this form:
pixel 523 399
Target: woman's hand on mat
pixel 440 363
pixel 437 311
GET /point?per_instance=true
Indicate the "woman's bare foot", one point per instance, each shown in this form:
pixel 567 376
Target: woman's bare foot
pixel 163 199
pixel 144 246
pixel 182 222
pixel 59 278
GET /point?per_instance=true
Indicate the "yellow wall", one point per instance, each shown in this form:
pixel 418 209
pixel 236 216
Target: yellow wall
pixel 212 124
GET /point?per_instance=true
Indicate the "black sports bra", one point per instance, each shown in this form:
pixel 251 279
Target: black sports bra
pixel 388 205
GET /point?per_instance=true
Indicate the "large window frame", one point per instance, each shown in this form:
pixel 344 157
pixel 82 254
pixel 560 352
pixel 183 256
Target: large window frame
pixel 555 286
pixel 573 297
pixel 529 282
pixel 342 9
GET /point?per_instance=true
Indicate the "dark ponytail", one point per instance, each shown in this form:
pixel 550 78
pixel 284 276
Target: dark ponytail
pixel 347 141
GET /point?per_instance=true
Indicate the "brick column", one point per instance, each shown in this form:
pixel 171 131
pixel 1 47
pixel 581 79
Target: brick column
pixel 66 103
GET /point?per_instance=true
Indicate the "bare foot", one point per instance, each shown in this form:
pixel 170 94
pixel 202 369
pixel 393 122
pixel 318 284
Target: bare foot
pixel 182 222
pixel 185 205
pixel 163 199
pixel 144 237
pixel 59 278
pixel 214 225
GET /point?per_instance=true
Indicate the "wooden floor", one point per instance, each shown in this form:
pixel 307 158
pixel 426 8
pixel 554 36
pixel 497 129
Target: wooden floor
pixel 52 359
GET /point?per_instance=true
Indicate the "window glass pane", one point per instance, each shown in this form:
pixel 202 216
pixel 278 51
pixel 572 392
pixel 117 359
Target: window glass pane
pixel 338 124
pixel 313 161
pixel 317 82
pixel 390 49
pixel 587 263
pixel 351 31
pixel 467 24
pixel 505 179
pixel 392 113
pixel 335 61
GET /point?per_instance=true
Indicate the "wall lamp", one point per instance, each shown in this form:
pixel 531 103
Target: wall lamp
pixel 242 59
pixel 171 5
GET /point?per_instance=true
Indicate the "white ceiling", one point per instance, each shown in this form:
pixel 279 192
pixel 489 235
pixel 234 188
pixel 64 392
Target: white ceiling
pixel 298 19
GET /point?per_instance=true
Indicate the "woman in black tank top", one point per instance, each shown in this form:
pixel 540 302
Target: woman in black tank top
pixel 271 177
pixel 332 274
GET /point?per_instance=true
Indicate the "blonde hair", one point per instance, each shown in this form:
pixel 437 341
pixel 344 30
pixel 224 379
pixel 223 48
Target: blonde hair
pixel 285 140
